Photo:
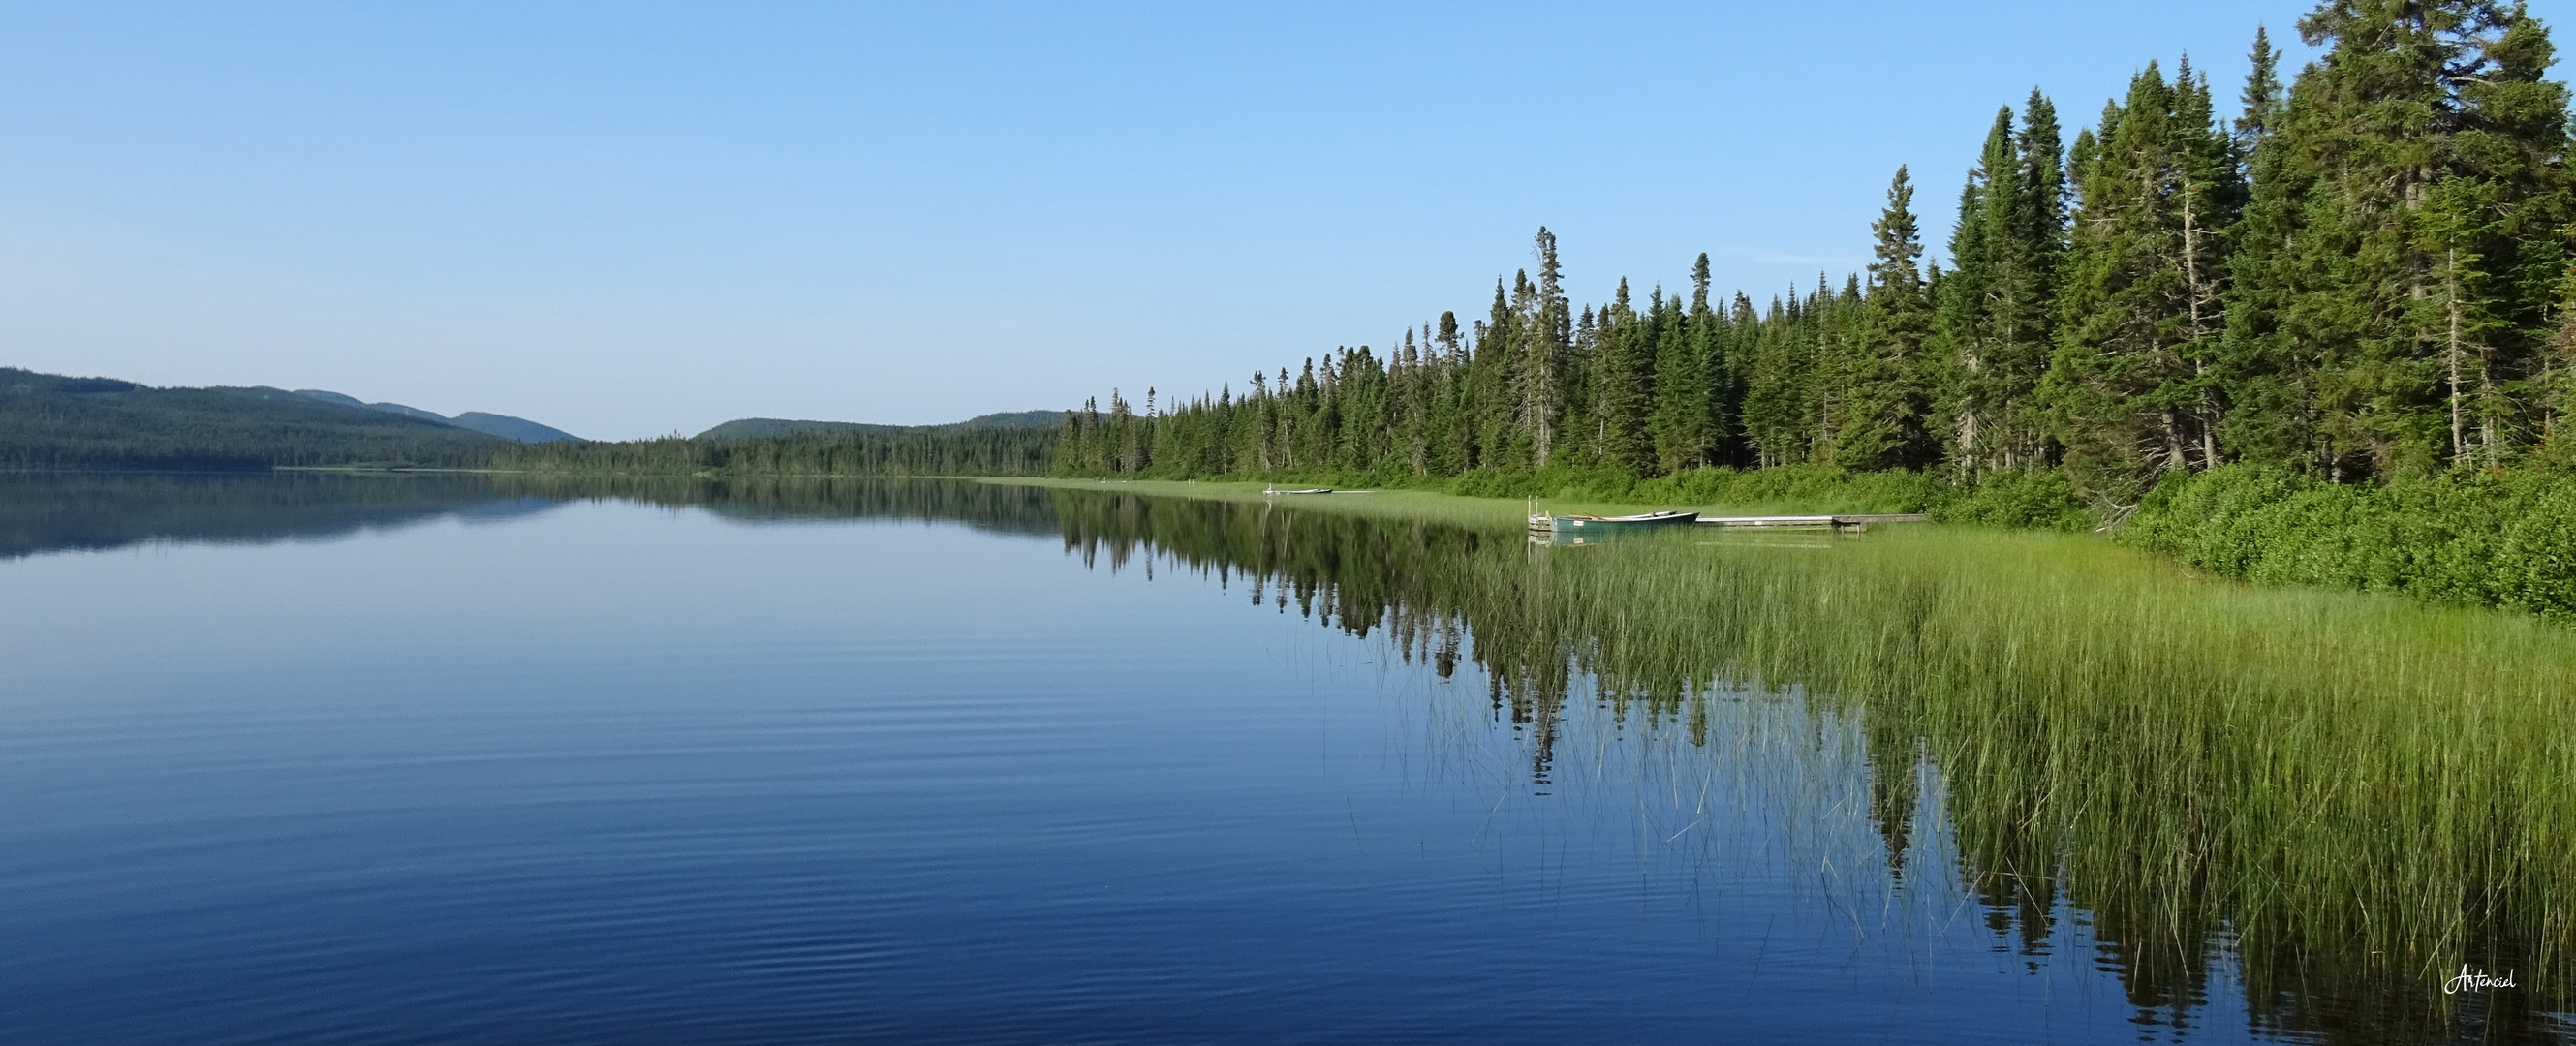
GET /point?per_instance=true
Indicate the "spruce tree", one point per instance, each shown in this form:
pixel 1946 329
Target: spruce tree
pixel 2401 235
pixel 1997 308
pixel 2128 389
pixel 1626 387
pixel 1547 328
pixel 2262 98
pixel 1684 433
pixel 1886 400
pixel 1780 393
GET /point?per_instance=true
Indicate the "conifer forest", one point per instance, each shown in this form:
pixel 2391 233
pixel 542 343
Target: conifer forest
pixel 2357 274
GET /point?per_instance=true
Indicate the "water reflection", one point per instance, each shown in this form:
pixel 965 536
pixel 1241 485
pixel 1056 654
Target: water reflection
pixel 1992 767
pixel 2051 797
pixel 66 511
pixel 71 511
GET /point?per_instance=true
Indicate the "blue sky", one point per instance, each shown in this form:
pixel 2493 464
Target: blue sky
pixel 630 219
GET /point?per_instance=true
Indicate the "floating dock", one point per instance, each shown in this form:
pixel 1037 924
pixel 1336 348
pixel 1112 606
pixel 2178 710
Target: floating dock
pixel 1542 524
pixel 1859 522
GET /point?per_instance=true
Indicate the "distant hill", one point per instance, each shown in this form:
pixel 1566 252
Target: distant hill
pixel 501 425
pixel 749 428
pixel 752 428
pixel 508 427
pixel 1025 419
pixel 49 421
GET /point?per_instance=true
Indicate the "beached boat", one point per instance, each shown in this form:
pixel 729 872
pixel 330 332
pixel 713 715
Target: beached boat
pixel 1609 524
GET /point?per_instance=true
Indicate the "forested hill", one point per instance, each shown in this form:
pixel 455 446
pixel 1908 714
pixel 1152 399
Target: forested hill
pixel 930 450
pixel 2361 274
pixel 53 422
pixel 502 425
pixel 744 428
pixel 755 428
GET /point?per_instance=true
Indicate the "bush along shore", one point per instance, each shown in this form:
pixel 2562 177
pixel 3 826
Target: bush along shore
pixel 2503 538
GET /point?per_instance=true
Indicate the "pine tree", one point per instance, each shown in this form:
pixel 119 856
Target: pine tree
pixel 2396 254
pixel 2128 385
pixel 1547 328
pixel 1626 387
pixel 1996 312
pixel 1888 400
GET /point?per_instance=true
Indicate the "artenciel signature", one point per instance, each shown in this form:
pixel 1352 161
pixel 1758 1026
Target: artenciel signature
pixel 2471 980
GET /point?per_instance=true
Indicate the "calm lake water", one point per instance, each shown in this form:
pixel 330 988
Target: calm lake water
pixel 330 759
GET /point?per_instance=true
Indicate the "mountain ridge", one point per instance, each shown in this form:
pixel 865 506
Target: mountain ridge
pixel 52 421
pixel 502 425
pixel 755 428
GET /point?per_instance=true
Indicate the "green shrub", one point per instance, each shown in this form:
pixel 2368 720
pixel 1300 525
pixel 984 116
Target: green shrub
pixel 2041 500
pixel 2491 537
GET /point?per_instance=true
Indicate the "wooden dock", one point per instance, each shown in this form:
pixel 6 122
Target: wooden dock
pixel 1541 524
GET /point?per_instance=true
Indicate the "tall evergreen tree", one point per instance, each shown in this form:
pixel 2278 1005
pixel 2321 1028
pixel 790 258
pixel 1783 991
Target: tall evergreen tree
pixel 2399 240
pixel 1683 424
pixel 1887 401
pixel 2129 388
pixel 1625 387
pixel 1547 328
pixel 2364 271
pixel 1997 312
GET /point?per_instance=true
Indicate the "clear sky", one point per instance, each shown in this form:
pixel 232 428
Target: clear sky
pixel 627 219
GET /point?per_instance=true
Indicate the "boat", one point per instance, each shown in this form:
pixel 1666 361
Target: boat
pixel 1610 524
pixel 1308 490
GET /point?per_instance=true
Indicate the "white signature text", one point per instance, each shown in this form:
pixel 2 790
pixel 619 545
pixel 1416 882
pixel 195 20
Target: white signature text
pixel 2474 981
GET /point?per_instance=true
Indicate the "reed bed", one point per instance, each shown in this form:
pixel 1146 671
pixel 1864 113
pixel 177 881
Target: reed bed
pixel 2349 794
pixel 2320 780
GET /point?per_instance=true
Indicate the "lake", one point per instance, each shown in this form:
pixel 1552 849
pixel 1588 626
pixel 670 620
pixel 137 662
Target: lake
pixel 424 758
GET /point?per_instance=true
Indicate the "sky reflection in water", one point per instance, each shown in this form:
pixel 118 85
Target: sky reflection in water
pixel 458 764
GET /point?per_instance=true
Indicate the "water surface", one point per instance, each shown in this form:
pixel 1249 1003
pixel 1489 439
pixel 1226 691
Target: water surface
pixel 433 759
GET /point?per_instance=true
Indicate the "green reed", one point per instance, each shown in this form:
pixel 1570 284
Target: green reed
pixel 2193 760
pixel 2351 793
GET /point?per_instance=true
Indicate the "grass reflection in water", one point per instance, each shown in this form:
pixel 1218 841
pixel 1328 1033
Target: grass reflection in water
pixel 2345 796
pixel 2348 795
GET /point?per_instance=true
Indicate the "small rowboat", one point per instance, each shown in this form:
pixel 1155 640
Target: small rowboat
pixel 1608 524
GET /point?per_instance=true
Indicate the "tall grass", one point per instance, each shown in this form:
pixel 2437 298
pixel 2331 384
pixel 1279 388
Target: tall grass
pixel 2350 793
pixel 2334 783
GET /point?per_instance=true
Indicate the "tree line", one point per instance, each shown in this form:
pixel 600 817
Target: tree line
pixel 2363 273
pixel 931 450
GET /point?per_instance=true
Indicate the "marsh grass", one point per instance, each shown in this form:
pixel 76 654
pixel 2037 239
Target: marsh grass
pixel 2350 794
pixel 1429 506
pixel 2198 762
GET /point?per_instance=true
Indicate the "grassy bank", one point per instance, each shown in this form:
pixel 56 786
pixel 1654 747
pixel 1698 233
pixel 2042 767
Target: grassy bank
pixel 2486 537
pixel 2039 500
